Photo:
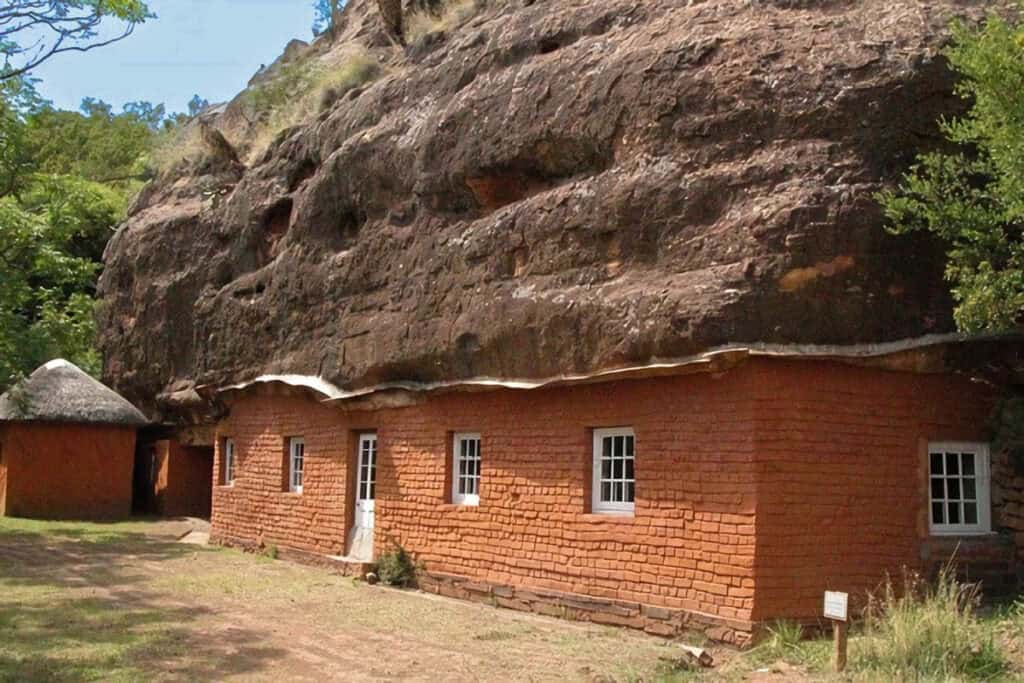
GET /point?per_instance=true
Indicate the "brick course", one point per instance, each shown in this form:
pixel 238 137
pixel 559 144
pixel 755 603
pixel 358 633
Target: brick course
pixel 756 488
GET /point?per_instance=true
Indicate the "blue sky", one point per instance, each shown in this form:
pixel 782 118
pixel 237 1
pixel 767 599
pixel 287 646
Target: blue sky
pixel 209 47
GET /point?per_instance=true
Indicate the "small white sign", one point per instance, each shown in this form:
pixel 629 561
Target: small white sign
pixel 835 605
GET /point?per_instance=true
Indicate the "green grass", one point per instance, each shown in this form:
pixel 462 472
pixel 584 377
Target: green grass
pixel 85 532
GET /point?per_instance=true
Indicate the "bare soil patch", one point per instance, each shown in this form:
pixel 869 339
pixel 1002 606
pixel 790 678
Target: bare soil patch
pixel 128 601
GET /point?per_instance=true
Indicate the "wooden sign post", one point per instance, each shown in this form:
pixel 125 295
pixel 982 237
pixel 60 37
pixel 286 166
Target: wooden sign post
pixel 836 609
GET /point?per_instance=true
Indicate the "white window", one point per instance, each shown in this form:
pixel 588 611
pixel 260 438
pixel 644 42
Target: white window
pixel 296 458
pixel 228 453
pixel 959 488
pixel 466 469
pixel 614 484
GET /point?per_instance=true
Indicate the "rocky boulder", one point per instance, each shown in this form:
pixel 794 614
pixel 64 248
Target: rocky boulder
pixel 551 187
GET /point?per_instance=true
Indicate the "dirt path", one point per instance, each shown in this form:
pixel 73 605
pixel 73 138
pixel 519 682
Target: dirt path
pixel 139 603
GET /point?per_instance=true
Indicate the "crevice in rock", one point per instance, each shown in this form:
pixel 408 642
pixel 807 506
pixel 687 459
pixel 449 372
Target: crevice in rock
pixel 301 173
pixel 547 165
pixel 550 44
pixel 350 222
pixel 278 218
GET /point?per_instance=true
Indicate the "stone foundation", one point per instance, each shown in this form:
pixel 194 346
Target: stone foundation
pixel 654 620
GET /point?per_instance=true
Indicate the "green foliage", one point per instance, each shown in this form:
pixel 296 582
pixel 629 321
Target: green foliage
pixel 324 12
pixel 397 567
pixel 65 180
pixel 96 145
pixel 973 196
pixel 32 31
pixel 44 308
pixel 925 632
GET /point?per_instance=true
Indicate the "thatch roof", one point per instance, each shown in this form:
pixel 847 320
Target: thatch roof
pixel 61 392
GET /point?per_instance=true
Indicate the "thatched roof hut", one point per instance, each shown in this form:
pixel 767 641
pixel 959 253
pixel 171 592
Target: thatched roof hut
pixel 59 391
pixel 60 421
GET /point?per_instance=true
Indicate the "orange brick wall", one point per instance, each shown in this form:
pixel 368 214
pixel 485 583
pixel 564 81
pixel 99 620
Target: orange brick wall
pixel 756 488
pixel 690 545
pixel 68 471
pixel 184 480
pixel 258 507
pixel 842 475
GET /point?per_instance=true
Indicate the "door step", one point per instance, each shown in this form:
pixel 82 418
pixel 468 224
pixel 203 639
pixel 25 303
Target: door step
pixel 350 566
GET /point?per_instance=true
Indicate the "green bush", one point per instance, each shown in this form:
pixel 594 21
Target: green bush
pixel 397 567
pixel 927 633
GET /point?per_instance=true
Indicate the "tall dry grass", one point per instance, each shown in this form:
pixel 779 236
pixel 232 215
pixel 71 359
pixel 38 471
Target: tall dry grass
pixel 451 14
pixel 924 631
pixel 301 91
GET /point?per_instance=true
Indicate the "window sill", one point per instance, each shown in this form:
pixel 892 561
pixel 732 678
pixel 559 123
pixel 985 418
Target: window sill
pixel 932 533
pixel 226 486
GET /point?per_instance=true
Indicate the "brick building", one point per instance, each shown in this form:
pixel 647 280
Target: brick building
pixel 67 446
pixel 719 492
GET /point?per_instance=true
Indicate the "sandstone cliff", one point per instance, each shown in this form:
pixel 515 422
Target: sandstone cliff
pixel 550 187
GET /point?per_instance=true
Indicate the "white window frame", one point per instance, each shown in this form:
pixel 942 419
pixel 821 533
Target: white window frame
pixel 229 462
pixel 296 455
pixel 465 498
pixel 983 488
pixel 596 504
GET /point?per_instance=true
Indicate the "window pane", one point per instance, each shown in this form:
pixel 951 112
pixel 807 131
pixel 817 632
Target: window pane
pixel 463 468
pixel 969 490
pixel 462 485
pixel 938 489
pixel 606 447
pixel 606 492
pixel 629 469
pixel 953 512
pixel 620 446
pixel 968 462
pixel 630 492
pixel 952 463
pixel 970 513
pixel 373 491
pixel 629 446
pixel 606 469
pixel 953 489
pixel 936 459
pixel 617 468
pixel 617 493
pixel 937 513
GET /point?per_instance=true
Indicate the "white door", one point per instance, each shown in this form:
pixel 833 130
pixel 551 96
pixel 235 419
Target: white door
pixel 361 539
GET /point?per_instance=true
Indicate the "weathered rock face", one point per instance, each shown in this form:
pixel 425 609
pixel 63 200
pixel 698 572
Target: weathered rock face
pixel 553 187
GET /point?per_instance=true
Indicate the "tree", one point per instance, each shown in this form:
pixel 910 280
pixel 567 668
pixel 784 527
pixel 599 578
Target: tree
pixel 325 13
pixel 32 31
pixel 972 195
pixel 196 105
pixel 65 180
